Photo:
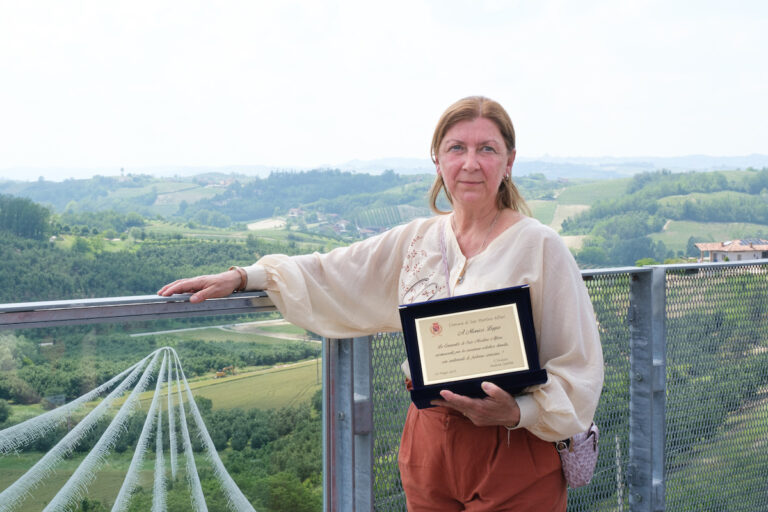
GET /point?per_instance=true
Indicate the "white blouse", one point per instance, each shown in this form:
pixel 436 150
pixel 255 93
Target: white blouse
pixel 355 291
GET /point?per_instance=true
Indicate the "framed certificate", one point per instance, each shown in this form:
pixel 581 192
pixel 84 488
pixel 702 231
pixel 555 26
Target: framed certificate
pixel 459 342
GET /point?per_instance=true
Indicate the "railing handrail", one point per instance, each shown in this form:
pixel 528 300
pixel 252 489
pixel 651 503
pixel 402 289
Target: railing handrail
pixel 179 304
pixel 115 309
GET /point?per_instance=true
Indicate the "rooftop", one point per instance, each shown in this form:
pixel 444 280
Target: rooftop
pixel 747 244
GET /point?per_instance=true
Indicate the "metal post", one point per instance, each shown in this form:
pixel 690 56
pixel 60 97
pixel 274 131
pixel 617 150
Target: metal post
pixel 363 424
pixel 647 390
pixel 347 425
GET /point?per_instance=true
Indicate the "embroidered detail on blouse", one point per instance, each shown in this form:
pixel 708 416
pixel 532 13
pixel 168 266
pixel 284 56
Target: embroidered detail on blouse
pixel 416 283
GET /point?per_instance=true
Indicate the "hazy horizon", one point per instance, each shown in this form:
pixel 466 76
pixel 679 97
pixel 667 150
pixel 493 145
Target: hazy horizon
pixel 301 84
pixel 402 165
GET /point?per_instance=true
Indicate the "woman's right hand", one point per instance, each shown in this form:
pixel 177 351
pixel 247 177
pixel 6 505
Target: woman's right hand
pixel 204 287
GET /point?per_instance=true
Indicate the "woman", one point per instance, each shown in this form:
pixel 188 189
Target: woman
pixel 494 453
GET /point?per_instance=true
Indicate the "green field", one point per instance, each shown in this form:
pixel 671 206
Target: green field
pixel 284 329
pixel 220 334
pixel 544 211
pixel 21 413
pixel 173 228
pixel 589 192
pixel 677 232
pixel 267 389
pixel 300 238
pixel 254 388
pixel 190 193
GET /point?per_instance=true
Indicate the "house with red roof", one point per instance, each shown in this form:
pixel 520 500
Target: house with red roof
pixel 734 250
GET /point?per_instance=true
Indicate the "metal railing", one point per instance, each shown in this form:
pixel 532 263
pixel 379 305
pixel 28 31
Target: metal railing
pixel 683 415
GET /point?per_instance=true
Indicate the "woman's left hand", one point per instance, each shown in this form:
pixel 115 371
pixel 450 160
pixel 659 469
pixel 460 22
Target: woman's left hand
pixel 498 408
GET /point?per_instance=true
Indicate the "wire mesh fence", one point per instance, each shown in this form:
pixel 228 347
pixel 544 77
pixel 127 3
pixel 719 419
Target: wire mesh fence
pixel 716 391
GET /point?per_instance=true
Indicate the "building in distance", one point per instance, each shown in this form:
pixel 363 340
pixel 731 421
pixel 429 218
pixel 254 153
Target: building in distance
pixel 734 250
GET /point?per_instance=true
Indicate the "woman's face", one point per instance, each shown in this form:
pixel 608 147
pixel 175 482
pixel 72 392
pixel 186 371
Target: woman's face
pixel 473 159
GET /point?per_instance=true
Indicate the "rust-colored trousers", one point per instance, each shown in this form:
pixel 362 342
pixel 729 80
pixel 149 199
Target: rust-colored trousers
pixel 447 463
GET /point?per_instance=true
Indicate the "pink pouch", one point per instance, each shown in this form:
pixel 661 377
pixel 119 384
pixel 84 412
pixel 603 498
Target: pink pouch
pixel 579 457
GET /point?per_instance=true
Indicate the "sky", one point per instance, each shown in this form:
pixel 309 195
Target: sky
pixel 94 86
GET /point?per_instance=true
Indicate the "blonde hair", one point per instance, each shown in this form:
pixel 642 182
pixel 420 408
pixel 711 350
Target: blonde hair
pixel 468 109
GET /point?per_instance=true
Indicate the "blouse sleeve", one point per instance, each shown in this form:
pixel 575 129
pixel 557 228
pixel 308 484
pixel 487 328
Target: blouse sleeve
pixel 569 348
pixel 350 291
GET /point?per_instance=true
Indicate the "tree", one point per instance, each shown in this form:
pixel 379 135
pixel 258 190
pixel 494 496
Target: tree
pixel 5 410
pixel 592 256
pixel 239 439
pixel 287 494
pixel 691 249
pixel 204 404
pixel 81 245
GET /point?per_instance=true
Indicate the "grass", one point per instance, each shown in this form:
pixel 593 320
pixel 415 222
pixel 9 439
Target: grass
pixel 21 413
pixel 543 210
pixel 589 192
pixel 284 329
pixel 168 228
pixel 189 194
pixel 266 389
pixel 159 187
pixel 295 236
pixel 220 334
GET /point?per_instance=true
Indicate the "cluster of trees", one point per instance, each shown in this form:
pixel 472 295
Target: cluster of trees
pixel 24 218
pixel 280 191
pixel 718 208
pixel 79 194
pixel 38 270
pixel 97 222
pixel 211 218
pixel 618 228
